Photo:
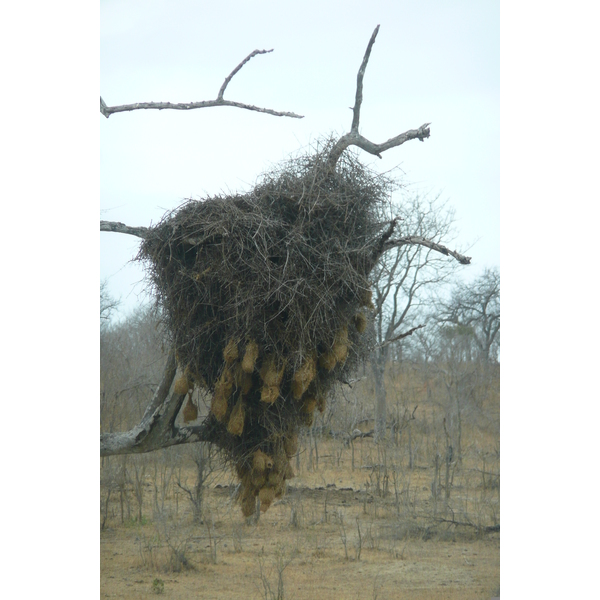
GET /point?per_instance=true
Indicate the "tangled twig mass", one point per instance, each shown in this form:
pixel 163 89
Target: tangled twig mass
pixel 266 298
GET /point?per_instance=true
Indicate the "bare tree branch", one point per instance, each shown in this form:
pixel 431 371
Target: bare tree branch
pixel 230 76
pixel 219 101
pixel 400 277
pixel 420 241
pixel 399 337
pixel 353 138
pixel 359 82
pixel 157 428
pixel 108 304
pixel 141 232
pixel 384 238
pixel 117 227
pixel 476 306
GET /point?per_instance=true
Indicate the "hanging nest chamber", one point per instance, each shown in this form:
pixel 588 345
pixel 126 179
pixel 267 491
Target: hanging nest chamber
pixel 267 301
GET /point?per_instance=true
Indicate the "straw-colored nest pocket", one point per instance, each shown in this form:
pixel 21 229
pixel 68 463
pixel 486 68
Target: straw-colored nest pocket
pixel 182 385
pixel 190 411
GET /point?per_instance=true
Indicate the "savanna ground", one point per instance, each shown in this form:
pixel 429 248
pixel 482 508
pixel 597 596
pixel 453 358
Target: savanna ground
pixel 414 517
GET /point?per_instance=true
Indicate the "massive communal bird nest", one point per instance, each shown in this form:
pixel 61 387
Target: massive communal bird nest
pixel 266 297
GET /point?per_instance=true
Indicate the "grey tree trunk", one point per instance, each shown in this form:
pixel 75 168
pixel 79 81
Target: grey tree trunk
pixel 378 365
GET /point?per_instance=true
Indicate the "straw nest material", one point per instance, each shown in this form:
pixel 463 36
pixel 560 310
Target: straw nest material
pixel 266 298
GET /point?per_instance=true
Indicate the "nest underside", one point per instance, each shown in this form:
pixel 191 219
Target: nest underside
pixel 266 298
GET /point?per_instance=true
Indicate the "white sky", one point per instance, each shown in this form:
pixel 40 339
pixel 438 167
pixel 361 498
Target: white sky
pixel 433 61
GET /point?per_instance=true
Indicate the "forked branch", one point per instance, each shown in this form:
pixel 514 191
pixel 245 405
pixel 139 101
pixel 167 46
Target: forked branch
pixel 157 428
pixel 219 101
pixel 353 138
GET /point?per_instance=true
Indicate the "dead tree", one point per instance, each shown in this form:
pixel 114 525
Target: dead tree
pixel 158 429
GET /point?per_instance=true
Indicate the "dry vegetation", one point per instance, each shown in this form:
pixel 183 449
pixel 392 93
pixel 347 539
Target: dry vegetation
pixel 415 517
pixel 265 302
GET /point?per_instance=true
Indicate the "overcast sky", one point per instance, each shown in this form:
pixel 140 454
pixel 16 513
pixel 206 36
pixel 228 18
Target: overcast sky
pixel 433 61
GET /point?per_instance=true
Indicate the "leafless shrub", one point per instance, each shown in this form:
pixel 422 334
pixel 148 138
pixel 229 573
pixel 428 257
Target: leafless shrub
pixel 280 564
pixel 359 540
pixel 212 539
pixel 164 465
pixel 237 539
pixel 378 583
pixel 148 548
pixel 178 548
pixel 139 463
pixel 296 511
pixel 205 463
pixel 104 506
pixel 371 539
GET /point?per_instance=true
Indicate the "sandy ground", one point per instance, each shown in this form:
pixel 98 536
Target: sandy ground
pixel 302 535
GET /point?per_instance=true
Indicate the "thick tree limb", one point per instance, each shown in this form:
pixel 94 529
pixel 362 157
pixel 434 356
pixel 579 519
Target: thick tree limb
pixel 157 428
pixel 219 101
pixel 353 138
pixel 141 232
pixel 117 227
pixel 420 241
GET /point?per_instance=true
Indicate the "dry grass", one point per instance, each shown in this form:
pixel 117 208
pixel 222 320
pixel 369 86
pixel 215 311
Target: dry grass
pixel 404 551
pixel 402 540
